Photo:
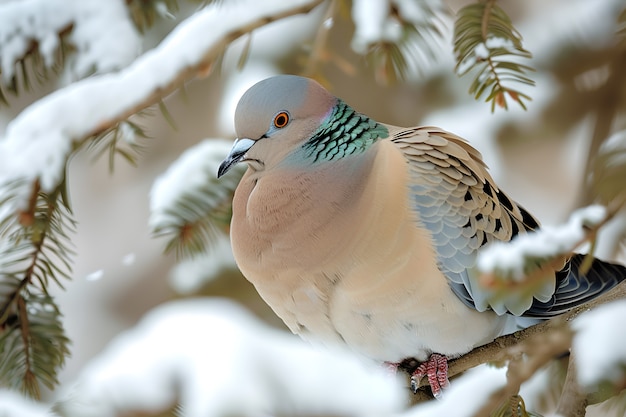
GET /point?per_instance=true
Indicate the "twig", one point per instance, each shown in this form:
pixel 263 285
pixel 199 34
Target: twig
pixel 573 401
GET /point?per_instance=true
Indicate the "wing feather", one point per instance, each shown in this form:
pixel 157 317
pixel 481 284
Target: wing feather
pixel 458 201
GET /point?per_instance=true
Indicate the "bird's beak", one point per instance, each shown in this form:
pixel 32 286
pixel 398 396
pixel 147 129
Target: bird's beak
pixel 237 152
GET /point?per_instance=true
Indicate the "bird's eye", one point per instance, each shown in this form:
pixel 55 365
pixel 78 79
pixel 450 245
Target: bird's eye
pixel 281 119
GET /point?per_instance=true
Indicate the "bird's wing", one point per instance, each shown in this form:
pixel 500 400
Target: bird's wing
pixel 456 199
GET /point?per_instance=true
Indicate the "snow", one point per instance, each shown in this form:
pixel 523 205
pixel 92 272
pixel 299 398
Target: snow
pixel 38 142
pixel 215 359
pixel 481 51
pixel 42 20
pixel 189 275
pixel 509 259
pixel 599 346
pixel 466 394
pixel 373 24
pixel 494 42
pixel 190 172
pixel 14 405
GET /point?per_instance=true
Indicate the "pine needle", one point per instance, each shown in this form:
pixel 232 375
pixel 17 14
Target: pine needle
pixel 486 42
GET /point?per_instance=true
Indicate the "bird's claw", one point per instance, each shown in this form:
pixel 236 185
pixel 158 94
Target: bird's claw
pixel 436 369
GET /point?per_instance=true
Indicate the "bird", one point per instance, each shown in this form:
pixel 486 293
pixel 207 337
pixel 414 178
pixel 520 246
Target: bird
pixel 366 235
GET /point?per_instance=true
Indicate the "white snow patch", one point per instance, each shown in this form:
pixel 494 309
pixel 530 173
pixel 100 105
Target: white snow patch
pixel 466 395
pixel 188 276
pixel 14 405
pixel 481 51
pixel 599 345
pixel 215 359
pixel 510 258
pixel 42 20
pixel 494 42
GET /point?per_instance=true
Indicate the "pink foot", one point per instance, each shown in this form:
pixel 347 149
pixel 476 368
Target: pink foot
pixel 436 369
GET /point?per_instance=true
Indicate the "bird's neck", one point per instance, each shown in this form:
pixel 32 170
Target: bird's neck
pixel 344 132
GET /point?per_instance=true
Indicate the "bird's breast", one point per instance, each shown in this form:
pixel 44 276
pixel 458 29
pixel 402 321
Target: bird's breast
pixel 336 250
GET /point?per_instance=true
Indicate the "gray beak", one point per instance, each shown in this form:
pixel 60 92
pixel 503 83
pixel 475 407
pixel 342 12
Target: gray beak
pixel 237 152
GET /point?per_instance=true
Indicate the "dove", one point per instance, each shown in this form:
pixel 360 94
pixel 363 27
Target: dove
pixel 366 235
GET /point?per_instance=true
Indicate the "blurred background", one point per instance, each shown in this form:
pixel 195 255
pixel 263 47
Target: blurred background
pixel 538 156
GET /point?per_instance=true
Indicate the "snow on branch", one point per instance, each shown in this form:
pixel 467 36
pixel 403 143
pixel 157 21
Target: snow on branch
pixel 39 24
pixel 513 262
pixel 14 405
pixel 599 346
pixel 209 357
pixel 39 141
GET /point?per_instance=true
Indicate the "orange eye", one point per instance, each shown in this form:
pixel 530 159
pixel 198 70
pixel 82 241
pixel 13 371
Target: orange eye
pixel 281 119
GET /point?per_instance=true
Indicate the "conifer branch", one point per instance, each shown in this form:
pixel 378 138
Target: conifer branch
pixel 145 12
pixel 196 212
pixel 395 58
pixel 486 41
pixel 32 61
pixel 32 341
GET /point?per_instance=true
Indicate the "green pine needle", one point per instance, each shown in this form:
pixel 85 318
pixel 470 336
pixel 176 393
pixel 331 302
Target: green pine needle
pixel 198 217
pixel 395 61
pixel 486 42
pixel 35 251
pixel 122 140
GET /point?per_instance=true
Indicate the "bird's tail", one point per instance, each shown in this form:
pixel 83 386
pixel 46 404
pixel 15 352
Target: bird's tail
pixel 573 287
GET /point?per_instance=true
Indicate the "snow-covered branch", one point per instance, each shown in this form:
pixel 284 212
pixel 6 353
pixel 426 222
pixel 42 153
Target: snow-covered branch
pixel 14 405
pixel 39 141
pixel 215 359
pixel 511 263
pixel 39 24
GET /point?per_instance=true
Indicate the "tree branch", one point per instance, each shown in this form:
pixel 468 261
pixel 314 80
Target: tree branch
pixel 543 342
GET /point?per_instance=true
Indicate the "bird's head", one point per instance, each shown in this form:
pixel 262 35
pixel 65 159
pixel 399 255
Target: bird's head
pixel 274 117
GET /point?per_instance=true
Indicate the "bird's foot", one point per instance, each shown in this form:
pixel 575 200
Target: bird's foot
pixel 436 369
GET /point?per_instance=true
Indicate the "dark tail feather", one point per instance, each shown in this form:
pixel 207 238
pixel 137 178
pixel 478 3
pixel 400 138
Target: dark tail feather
pixel 574 288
